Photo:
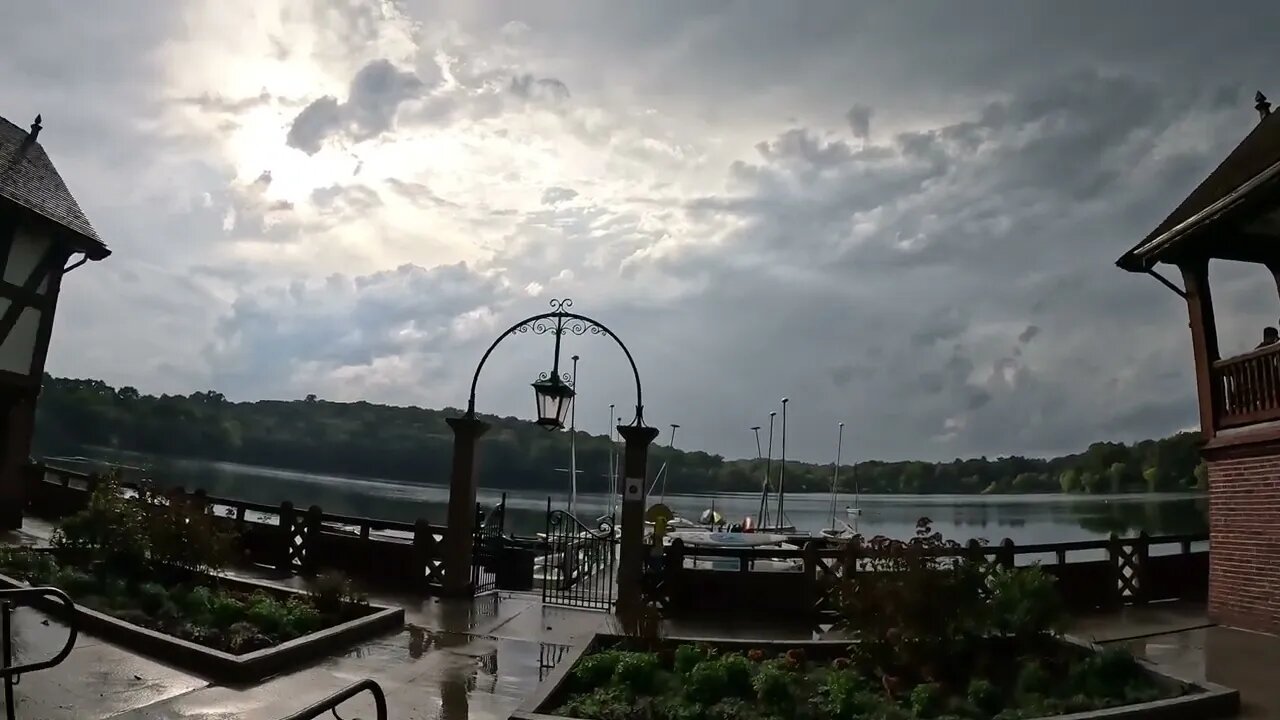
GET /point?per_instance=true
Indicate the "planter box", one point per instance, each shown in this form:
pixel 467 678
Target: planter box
pixel 1207 701
pixel 217 665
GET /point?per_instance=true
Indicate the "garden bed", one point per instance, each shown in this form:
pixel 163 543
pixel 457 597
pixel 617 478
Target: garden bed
pixel 229 630
pixel 612 678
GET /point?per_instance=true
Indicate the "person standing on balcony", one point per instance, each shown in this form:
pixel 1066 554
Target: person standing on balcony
pixel 1269 337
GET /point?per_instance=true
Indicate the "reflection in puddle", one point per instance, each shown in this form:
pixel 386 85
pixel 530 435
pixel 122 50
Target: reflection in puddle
pixel 417 641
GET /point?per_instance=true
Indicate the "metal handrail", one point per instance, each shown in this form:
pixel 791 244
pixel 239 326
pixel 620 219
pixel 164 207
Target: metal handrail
pixel 332 702
pixel 12 673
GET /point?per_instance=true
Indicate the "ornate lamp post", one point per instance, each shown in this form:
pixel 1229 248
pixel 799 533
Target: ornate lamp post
pixel 554 395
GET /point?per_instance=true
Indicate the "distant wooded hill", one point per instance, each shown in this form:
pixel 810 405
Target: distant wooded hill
pixel 414 444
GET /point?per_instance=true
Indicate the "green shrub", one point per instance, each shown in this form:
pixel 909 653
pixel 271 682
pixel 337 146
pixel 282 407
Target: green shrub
pixel 266 613
pixel 731 709
pixel 127 536
pixel 169 612
pixel 332 592
pixel 73 582
pixel 846 695
pixel 708 682
pixel 1024 602
pixel 1033 679
pixel 984 696
pixel 301 617
pixel 181 533
pixel 27 564
pixel 927 700
pixel 687 657
pixel 116 591
pixel 152 596
pixel 1106 674
pixel 600 704
pixel 225 610
pixel 110 530
pixel 636 671
pixel 199 601
pixel 737 675
pixel 773 685
pixel 675 707
pixel 243 637
pixel 595 670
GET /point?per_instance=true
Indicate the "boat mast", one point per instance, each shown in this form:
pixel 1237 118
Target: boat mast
pixel 759 452
pixel 782 468
pixel 613 478
pixel 662 497
pixel 835 478
pixel 768 472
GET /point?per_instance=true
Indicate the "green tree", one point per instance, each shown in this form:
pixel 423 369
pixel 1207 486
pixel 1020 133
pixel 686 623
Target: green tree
pixel 1201 474
pixel 414 445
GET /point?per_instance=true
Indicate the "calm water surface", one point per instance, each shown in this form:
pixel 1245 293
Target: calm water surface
pixel 1022 518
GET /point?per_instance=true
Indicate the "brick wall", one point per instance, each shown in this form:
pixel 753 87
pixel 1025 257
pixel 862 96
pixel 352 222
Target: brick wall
pixel 1244 540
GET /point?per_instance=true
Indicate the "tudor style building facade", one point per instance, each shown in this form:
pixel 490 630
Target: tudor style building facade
pixel 43 236
pixel 1234 214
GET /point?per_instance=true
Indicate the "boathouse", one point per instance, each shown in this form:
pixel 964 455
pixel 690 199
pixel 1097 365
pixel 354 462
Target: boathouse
pixel 1233 215
pixel 43 236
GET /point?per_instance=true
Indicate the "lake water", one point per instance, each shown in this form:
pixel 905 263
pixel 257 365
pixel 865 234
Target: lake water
pixel 1021 518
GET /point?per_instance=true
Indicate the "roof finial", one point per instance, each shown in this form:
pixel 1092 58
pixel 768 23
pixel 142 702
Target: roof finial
pixel 35 130
pixel 1261 105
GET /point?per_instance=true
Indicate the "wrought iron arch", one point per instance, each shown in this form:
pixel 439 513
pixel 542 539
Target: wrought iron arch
pixel 557 322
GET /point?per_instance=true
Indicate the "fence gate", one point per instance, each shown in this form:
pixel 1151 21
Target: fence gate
pixel 578 563
pixel 486 552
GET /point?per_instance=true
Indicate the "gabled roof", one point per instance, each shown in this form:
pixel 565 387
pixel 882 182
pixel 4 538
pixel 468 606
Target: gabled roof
pixel 1254 162
pixel 29 179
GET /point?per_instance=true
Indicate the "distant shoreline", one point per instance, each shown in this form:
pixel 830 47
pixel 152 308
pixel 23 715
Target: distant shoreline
pixel 103 455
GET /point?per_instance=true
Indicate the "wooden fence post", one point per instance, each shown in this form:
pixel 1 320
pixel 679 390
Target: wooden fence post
pixel 311 529
pixel 423 545
pixel 1006 554
pixel 811 573
pixel 852 552
pixel 1141 555
pixel 1115 557
pixel 673 568
pixel 284 559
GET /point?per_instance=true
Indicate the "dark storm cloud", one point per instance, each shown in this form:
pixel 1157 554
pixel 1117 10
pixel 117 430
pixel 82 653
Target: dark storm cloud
pixel 889 276
pixel 375 95
pixel 859 117
pixel 530 88
pixel 344 323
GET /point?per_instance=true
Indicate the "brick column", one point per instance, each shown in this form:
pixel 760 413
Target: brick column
pixel 1244 537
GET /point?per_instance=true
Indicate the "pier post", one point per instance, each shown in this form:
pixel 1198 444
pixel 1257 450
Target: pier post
pixel 458 535
pixel 635 463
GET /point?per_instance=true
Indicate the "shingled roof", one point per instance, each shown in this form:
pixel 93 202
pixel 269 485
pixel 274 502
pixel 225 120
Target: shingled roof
pixel 28 179
pixel 1254 162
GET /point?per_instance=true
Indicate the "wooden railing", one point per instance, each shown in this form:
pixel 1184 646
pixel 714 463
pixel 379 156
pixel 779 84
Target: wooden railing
pixel 288 539
pixel 1112 572
pixel 1248 387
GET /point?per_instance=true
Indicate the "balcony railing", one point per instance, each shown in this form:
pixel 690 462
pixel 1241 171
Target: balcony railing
pixel 1249 387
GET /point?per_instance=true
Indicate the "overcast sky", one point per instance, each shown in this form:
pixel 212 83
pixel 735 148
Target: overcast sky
pixel 903 216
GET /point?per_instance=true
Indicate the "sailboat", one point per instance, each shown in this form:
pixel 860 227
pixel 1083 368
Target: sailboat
pixel 780 524
pixel 660 484
pixel 839 528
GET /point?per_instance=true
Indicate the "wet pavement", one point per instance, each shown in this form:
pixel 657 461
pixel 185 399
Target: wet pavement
pixel 427 671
